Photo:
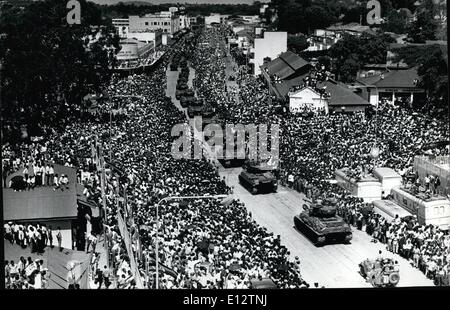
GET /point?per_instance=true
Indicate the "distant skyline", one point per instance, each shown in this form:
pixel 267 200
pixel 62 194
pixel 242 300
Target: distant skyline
pixel 109 2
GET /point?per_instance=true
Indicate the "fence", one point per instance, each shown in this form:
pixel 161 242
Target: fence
pixel 437 166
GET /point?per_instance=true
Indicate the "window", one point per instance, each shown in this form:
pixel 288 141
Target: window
pixel 441 208
pixel 146 23
pixel 436 211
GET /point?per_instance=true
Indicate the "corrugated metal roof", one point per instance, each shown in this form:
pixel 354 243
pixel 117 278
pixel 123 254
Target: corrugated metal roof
pixel 293 60
pixel 285 65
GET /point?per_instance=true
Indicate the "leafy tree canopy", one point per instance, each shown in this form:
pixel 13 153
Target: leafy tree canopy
pixel 49 65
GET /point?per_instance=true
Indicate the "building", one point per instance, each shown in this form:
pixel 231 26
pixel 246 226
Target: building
pixel 134 53
pixel 287 77
pixel 250 19
pixel 322 40
pixel 307 99
pixel 325 97
pixel 438 166
pixel 192 20
pixel 351 28
pixel 168 22
pixel 271 45
pixel 147 36
pixel 244 39
pixel 286 66
pixel 122 26
pixel 392 86
pixel 55 208
pixel 215 18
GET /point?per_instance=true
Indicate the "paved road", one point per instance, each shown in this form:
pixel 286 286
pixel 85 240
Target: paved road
pixel 334 266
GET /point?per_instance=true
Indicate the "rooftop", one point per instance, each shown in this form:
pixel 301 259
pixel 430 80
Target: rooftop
pixel 285 65
pixel 393 78
pixel 41 202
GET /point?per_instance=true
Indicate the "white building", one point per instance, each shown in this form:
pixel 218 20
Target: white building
pixel 122 26
pixel 147 36
pixel 271 45
pixel 215 18
pixel 168 22
pixel 250 19
pixel 307 99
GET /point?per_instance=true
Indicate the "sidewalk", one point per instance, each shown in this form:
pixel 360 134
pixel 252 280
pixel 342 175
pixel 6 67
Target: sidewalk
pixel 102 261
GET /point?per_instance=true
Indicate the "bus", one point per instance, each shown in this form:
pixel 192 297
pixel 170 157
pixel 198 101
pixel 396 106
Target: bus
pixel 433 210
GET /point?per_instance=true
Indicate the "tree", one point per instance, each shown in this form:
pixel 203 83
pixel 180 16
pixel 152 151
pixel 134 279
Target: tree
pixel 431 62
pixel 48 66
pixel 425 26
pixel 297 43
pixel 352 52
pixel 396 22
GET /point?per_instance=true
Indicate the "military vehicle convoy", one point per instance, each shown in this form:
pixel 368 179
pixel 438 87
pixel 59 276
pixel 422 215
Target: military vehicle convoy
pixel 321 224
pixel 258 178
pixel 380 272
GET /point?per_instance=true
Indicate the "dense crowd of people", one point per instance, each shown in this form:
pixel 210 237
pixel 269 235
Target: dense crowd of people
pixel 36 237
pixel 203 244
pixel 234 248
pixel 312 147
pixel 26 274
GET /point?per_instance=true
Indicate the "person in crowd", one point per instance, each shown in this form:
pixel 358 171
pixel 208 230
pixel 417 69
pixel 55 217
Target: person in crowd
pixel 203 232
pixel 59 238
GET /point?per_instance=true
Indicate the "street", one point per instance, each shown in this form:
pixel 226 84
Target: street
pixel 335 265
pixel 332 266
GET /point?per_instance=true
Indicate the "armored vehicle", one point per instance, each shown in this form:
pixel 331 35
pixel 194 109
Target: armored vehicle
pixel 174 66
pixel 182 86
pixel 321 224
pixel 380 272
pixel 184 93
pixel 186 101
pixel 257 178
pixel 194 110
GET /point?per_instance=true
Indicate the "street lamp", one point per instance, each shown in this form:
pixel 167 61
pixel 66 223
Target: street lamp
pixel 226 200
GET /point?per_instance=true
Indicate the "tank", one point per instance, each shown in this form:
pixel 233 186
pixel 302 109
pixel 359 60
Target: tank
pixel 321 224
pixel 184 93
pixel 257 178
pixel 186 101
pixel 182 86
pixel 380 272
pixel 194 110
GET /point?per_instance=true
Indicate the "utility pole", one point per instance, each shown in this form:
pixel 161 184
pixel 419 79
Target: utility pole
pixel 101 166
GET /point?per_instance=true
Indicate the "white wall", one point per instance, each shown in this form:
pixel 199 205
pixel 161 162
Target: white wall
pixel 272 45
pixel 215 18
pixel 142 36
pixel 306 99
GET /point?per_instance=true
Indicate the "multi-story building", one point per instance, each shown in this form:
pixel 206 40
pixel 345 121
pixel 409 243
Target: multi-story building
pixel 215 18
pixel 147 36
pixel 122 26
pixel 168 22
pixel 271 45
